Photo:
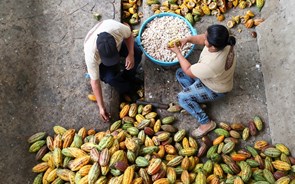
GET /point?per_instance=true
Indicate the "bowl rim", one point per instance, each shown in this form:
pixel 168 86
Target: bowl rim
pixel 138 38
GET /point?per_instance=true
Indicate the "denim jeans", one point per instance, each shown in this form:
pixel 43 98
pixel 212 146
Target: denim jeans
pixel 193 93
pixel 124 81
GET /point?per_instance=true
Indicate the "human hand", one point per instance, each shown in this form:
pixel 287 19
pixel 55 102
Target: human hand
pixel 104 115
pixel 129 64
pixel 183 41
pixel 175 49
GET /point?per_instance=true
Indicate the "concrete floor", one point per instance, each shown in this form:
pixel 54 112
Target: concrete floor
pixel 42 79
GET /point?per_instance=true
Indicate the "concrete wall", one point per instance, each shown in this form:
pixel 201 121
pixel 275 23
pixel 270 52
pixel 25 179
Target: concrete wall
pixel 276 40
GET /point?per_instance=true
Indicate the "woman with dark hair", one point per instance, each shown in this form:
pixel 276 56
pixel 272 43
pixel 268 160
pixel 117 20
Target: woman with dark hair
pixel 210 78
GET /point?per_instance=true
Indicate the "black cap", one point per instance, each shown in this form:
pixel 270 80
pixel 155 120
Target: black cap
pixel 107 49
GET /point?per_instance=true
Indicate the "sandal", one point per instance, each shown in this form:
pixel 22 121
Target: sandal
pixel 197 133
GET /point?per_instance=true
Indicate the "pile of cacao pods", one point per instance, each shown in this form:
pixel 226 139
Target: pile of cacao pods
pixel 247 20
pixel 130 13
pixel 142 148
pixel 193 10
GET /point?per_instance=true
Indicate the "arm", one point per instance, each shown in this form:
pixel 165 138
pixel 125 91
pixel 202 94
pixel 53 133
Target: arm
pixel 130 58
pixel 184 63
pixel 96 87
pixel 197 39
pixel 129 64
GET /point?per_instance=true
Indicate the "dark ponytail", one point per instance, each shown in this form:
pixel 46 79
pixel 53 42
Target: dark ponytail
pixel 218 36
pixel 231 41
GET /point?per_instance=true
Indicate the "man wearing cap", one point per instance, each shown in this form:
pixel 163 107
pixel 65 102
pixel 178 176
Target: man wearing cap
pixel 104 44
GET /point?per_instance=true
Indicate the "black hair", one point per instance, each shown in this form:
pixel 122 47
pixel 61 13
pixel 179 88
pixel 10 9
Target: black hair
pixel 218 36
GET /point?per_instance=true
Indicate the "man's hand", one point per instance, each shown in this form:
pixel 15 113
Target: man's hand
pixel 129 64
pixel 96 87
pixel 104 115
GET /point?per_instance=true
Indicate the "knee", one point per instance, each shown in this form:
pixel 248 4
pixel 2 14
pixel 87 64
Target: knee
pixel 180 97
pixel 121 90
pixel 137 58
pixel 179 73
pixel 107 79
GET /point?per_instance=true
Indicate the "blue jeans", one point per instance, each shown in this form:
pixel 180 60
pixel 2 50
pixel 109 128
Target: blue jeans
pixel 193 93
pixel 124 81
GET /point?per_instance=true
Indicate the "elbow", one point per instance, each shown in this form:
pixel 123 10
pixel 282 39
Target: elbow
pixel 186 72
pixel 94 82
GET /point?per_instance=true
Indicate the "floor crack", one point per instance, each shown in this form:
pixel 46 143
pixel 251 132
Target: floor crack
pixel 77 9
pixel 60 3
pixel 62 38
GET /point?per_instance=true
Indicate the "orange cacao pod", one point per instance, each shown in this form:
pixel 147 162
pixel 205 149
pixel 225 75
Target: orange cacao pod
pixel 124 111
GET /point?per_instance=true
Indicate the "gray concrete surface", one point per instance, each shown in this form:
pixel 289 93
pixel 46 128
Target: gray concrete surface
pixel 276 40
pixel 42 79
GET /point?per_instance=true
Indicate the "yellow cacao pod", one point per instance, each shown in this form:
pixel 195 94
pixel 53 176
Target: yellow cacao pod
pixel 283 148
pixel 185 143
pixel 151 115
pixel 169 157
pixel 192 163
pixel 260 144
pixel 57 157
pixel 92 97
pixel 128 175
pixel 201 178
pixel 249 23
pixel 124 111
pixel 64 174
pixel 52 176
pixel 146 109
pixel 162 181
pixel 84 180
pixel 171 174
pixel 57 141
pixel 78 163
pixel 185 177
pixel 210 178
pixel 41 167
pixel 84 170
pixel 137 181
pixel 46 173
pixel 132 110
pixel 157 126
pixel 192 142
pixel 82 132
pixel 139 118
pixel 217 170
pixel 283 180
pixel 238 180
pixel 281 165
pixel 218 140
pixel 161 152
pixel 59 129
pixel 185 163
pixel 155 166
pixel 259 4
